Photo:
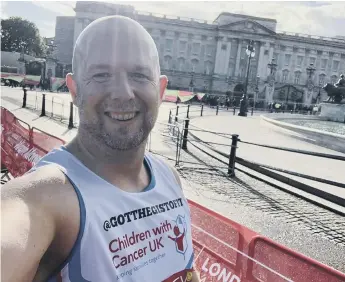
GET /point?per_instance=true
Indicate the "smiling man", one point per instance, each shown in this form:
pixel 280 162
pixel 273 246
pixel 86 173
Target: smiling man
pixel 100 209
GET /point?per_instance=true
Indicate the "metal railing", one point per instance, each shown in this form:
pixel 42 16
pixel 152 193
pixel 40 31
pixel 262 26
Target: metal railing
pixel 229 160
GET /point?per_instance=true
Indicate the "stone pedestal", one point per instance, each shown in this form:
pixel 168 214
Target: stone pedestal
pixel 308 96
pixel 21 67
pixel 333 112
pixel 50 68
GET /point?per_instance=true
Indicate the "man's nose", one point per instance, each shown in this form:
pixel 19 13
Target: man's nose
pixel 120 87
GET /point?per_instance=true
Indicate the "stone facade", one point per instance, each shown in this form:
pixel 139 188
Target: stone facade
pixel 211 57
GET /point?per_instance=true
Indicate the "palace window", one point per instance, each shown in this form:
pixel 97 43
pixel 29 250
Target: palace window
pixel 208 67
pixel 323 64
pixel 196 48
pixel 299 61
pixel 183 46
pixel 194 65
pixel 285 76
pixel 208 50
pixel 297 77
pixel 167 62
pixel 180 64
pixel 312 60
pixel 322 79
pixel 223 46
pixel 287 59
pixel 168 44
pixel 335 66
pixel 333 79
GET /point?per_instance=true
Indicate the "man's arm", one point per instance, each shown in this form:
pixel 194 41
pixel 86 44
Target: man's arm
pixel 195 276
pixel 27 226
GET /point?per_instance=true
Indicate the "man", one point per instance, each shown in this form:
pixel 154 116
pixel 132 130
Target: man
pixel 99 209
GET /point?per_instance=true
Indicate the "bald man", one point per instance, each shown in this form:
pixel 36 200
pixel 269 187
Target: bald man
pixel 100 209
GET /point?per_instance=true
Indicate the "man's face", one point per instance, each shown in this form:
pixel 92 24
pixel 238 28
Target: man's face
pixel 117 88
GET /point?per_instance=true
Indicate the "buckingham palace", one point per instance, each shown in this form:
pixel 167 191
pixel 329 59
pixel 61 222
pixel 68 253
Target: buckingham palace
pixel 211 57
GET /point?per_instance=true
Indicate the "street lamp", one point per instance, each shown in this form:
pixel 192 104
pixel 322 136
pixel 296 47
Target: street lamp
pixel 191 83
pixel 250 51
pixel 256 90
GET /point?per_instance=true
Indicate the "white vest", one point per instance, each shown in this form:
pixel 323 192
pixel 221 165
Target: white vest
pixel 127 236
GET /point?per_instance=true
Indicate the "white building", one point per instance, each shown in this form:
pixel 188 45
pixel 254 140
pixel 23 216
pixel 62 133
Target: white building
pixel 213 55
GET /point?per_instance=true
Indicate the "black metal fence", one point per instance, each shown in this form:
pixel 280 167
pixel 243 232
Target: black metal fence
pixel 55 107
pixel 184 133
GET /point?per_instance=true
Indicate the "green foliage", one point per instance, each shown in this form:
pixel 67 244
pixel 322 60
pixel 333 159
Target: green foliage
pixel 18 34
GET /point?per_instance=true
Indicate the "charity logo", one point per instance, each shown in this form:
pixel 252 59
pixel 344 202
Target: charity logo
pixel 180 233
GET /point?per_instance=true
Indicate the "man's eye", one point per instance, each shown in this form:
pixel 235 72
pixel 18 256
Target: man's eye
pixel 137 75
pixel 101 77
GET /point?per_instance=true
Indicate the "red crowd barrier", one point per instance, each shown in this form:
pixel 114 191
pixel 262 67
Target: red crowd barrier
pixel 228 251
pixel 224 250
pixel 21 145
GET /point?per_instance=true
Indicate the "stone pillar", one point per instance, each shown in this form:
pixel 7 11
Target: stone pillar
pixel 78 28
pixel 50 68
pixel 238 58
pixel 261 66
pixel 218 63
pixel 270 56
pixel 21 67
pixel 227 58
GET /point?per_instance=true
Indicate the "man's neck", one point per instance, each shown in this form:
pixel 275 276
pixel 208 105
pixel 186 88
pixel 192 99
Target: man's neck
pixel 124 169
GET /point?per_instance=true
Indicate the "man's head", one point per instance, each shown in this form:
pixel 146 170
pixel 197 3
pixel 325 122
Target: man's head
pixel 342 76
pixel 116 83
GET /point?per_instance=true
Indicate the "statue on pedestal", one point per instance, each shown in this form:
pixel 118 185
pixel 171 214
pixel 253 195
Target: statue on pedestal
pixel 336 92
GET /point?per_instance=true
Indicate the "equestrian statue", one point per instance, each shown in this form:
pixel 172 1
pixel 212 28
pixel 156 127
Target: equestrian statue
pixel 336 92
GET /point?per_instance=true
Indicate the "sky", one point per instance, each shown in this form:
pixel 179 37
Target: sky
pixel 315 18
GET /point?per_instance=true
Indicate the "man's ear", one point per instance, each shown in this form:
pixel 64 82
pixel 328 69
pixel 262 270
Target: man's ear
pixel 163 82
pixel 72 87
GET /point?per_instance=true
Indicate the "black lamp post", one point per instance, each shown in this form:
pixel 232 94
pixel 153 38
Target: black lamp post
pixel 272 66
pixel 191 83
pixel 256 90
pixel 244 103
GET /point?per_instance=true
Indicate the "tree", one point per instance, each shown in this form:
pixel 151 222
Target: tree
pixel 19 35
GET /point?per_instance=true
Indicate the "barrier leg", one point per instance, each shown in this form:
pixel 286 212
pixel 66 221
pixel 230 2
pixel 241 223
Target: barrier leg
pixel 202 109
pixel 217 110
pixel 232 159
pixel 24 99
pixel 185 134
pixel 70 123
pixel 252 110
pixel 169 120
pixel 188 111
pixel 43 111
pixel 176 114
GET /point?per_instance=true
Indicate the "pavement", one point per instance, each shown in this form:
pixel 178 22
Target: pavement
pixel 291 221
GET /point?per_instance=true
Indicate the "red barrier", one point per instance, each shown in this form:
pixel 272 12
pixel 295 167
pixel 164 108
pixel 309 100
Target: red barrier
pixel 228 251
pixel 22 146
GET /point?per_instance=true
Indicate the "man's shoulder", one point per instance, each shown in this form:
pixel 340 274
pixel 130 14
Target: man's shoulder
pixel 41 186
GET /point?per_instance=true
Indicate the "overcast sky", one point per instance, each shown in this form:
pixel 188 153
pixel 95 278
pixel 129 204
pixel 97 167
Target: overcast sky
pixel 316 18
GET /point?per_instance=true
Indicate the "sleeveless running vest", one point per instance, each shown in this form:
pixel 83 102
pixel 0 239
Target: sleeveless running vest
pixel 127 236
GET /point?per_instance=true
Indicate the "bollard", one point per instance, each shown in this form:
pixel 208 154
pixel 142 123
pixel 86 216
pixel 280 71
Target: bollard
pixel 24 98
pixel 217 110
pixel 202 109
pixel 176 114
pixel 43 111
pixel 232 159
pixel 234 110
pixel 70 123
pixel 185 134
pixel 188 111
pixel 252 110
pixel 169 120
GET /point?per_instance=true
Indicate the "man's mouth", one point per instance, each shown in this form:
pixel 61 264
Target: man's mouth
pixel 121 116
